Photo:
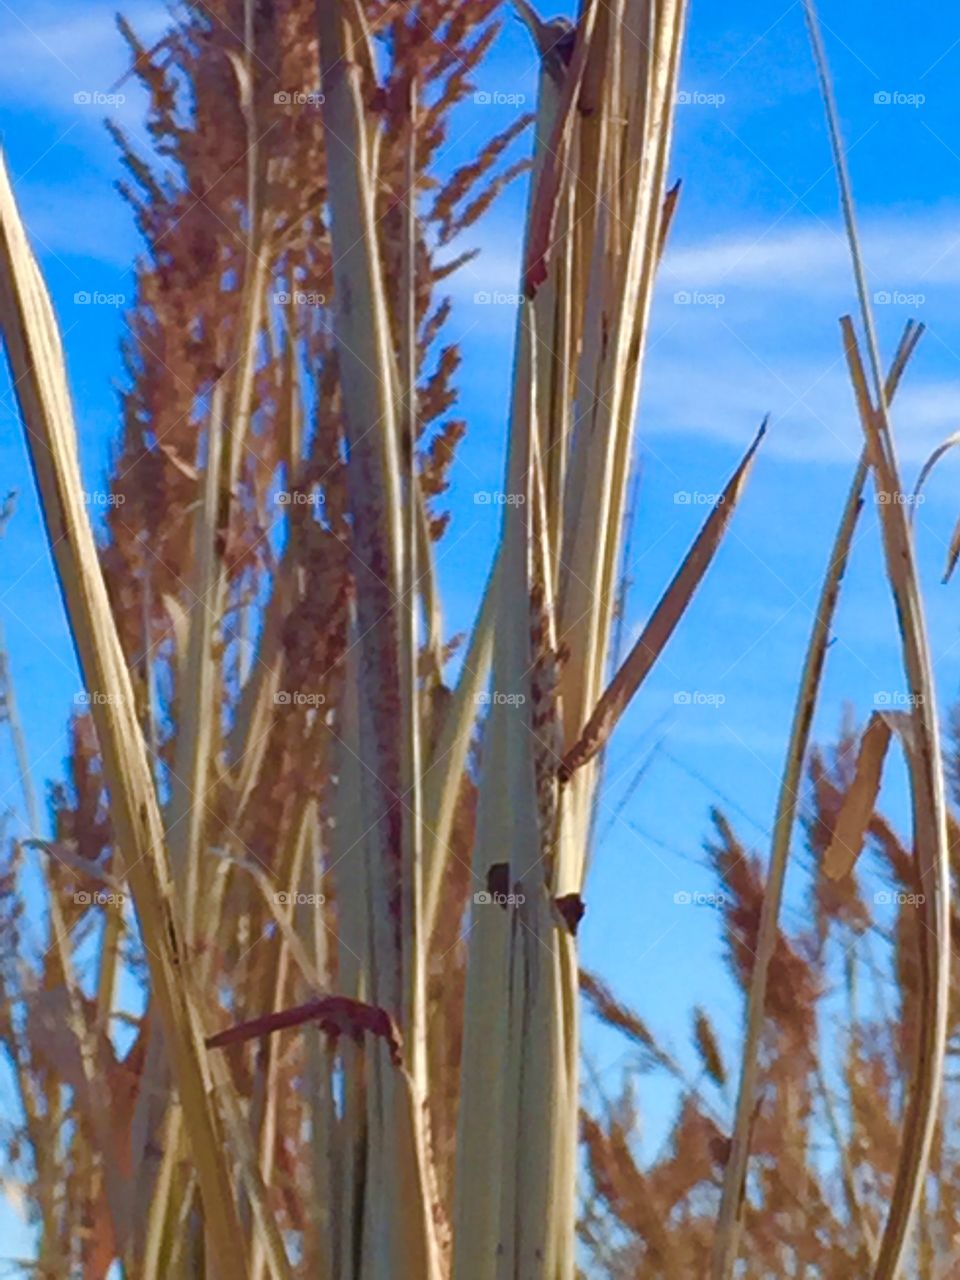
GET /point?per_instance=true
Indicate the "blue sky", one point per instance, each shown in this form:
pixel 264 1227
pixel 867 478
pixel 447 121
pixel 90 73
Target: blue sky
pixel 757 247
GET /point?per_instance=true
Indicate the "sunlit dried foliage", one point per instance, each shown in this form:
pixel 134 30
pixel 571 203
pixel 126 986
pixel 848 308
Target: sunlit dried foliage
pixel 840 1033
pixel 235 629
pixel 305 998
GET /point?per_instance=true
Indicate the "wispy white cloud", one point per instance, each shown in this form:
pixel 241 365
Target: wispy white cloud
pixel 75 41
pixel 720 389
pixel 52 52
pixel 88 220
pixel 747 324
pixel 803 257
pixel 812 258
pixel 807 257
pixel 62 65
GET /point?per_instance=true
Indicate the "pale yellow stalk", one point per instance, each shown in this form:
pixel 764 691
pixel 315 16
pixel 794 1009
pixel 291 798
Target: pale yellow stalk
pixel 35 355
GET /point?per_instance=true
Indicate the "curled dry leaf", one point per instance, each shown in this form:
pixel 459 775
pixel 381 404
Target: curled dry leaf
pixel 670 609
pixel 334 1015
pixel 860 800
pixel 953 551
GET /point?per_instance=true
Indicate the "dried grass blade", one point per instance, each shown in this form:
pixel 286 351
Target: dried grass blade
pixel 670 202
pixel 36 359
pixel 278 911
pixel 543 210
pixel 727 1239
pixel 670 609
pixel 197 694
pixel 943 447
pixel 399 1213
pixel 334 1015
pixel 953 551
pixel 925 763
pixel 442 781
pixel 953 554
pixel 930 832
pixel 859 802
